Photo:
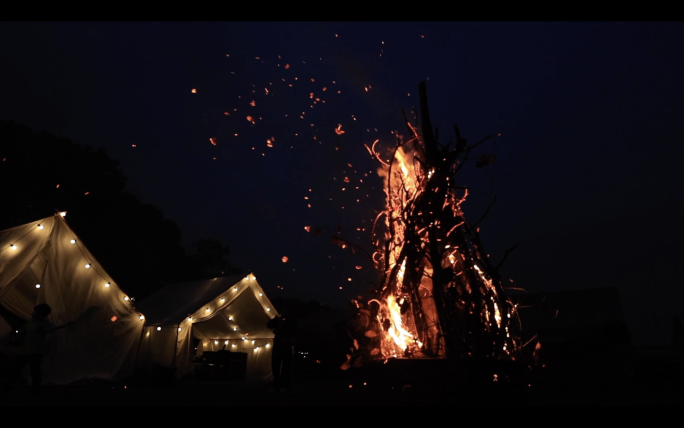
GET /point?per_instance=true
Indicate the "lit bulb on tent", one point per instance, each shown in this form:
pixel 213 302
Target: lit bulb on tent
pixel 234 328
pixel 268 309
pixel 40 226
pixel 126 298
pixel 235 289
pixel 244 338
pixel 208 309
pixel 223 300
pixel 261 294
pixel 225 343
pixel 189 318
pixel 14 247
pixel 87 265
pixel 252 342
pixel 73 241
pixel 107 284
pixel 179 329
pixel 158 328
pixel 268 345
pixel 37 285
pixel 230 318
pixel 63 213
pixel 142 317
pixel 215 342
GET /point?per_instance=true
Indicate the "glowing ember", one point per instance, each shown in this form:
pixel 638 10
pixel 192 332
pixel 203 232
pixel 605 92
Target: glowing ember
pixel 285 259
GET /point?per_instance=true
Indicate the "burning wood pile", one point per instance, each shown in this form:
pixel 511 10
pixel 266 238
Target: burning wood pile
pixel 441 296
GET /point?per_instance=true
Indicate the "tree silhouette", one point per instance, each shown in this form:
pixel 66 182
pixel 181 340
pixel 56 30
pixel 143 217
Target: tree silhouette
pixel 41 174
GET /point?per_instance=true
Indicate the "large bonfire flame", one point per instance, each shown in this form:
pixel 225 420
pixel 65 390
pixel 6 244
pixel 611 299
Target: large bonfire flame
pixel 441 295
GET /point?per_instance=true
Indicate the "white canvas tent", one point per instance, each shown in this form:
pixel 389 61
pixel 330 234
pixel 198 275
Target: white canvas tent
pixel 227 312
pixel 45 262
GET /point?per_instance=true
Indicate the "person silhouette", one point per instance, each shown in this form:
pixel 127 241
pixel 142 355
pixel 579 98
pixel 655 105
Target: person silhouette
pixel 33 335
pixel 284 329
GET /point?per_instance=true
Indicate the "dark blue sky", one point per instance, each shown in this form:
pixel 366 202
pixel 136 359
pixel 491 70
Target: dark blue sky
pixel 587 177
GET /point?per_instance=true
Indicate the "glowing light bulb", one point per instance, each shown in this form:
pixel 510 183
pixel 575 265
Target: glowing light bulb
pixel 37 285
pixel 234 328
pixel 73 241
pixel 268 345
pixel 108 285
pixel 179 329
pixel 261 294
pixel 126 298
pixel 142 317
pixel 235 289
pixel 189 318
pixel 223 300
pixel 243 338
pixel 40 226
pixel 158 328
pixel 230 318
pixel 225 343
pixel 215 342
pixel 208 309
pixel 63 213
pixel 252 342
pixel 14 247
pixel 87 265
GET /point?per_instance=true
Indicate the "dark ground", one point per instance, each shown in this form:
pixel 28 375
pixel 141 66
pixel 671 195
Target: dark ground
pixel 650 384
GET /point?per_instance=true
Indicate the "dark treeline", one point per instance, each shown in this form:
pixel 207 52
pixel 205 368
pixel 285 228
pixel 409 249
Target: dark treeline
pixel 41 173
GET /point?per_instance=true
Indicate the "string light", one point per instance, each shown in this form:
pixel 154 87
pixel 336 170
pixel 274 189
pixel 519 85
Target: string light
pixel 142 317
pixel 40 226
pixel 215 342
pixel 268 309
pixel 268 345
pixel 87 265
pixel 158 328
pixel 235 289
pixel 234 328
pixel 107 284
pixel 208 309
pixel 63 213
pixel 230 318
pixel 179 329
pixel 126 298
pixel 189 318
pixel 261 294
pixel 14 247
pixel 225 343
pixel 37 285
pixel 223 299
pixel 73 241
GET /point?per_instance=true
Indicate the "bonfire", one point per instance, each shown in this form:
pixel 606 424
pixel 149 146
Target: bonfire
pixel 440 296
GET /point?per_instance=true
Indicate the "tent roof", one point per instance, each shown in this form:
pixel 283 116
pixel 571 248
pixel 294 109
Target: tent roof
pixel 174 302
pixel 46 262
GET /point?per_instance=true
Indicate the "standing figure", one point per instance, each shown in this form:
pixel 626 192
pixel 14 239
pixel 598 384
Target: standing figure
pixel 34 335
pixel 284 329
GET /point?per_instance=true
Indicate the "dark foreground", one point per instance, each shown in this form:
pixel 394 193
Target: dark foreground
pixel 396 386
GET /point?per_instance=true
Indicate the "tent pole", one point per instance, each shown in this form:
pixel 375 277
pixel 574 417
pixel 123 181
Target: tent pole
pixel 175 346
pixel 135 364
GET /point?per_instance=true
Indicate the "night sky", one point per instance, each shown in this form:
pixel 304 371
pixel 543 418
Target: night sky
pixel 588 172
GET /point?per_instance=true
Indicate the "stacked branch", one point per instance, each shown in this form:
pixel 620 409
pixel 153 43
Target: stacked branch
pixel 441 295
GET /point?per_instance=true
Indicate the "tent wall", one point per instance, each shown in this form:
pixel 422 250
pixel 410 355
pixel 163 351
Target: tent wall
pixel 103 341
pixel 157 346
